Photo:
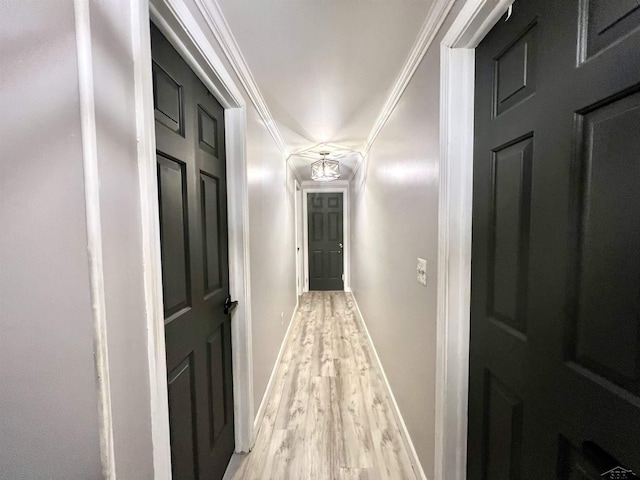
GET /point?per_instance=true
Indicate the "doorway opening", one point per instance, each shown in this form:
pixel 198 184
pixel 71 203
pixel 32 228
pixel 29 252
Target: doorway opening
pixel 187 37
pixel 299 226
pixel 326 254
pixel 574 449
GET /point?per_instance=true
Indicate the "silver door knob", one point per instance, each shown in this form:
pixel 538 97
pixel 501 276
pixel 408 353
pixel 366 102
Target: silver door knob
pixel 340 245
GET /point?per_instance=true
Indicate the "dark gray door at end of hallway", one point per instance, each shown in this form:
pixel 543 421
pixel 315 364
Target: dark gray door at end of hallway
pixel 554 372
pixel 325 235
pixel 195 266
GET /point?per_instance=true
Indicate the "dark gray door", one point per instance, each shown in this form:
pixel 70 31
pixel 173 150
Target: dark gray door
pixel 324 213
pixel 195 266
pixel 554 390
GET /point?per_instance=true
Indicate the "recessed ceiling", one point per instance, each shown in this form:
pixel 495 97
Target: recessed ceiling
pixel 325 67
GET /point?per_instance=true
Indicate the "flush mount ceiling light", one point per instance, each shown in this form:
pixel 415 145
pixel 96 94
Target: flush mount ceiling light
pixel 325 170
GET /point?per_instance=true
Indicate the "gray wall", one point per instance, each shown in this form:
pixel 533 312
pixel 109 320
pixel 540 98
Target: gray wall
pixel 394 215
pixel 273 268
pixel 48 390
pixel 49 407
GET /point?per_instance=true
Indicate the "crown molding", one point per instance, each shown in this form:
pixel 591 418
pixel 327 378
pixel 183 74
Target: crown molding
pixel 432 24
pixel 213 16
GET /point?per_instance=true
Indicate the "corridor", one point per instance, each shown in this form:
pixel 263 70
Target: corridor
pixel 328 416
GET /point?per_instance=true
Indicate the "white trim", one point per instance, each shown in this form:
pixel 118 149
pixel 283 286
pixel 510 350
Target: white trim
pixel 404 432
pixel 298 225
pixel 176 22
pixel 267 393
pixel 150 218
pixel 307 188
pixel 94 233
pixel 435 18
pixel 457 66
pixel 212 14
pixel 239 276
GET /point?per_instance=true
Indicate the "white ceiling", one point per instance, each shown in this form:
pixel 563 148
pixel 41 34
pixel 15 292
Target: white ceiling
pixel 325 67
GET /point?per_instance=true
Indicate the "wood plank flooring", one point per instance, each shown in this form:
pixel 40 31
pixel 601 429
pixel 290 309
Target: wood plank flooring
pixel 329 417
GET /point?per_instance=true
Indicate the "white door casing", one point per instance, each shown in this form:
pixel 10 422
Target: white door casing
pixel 176 22
pixel 457 69
pixel 344 189
pixel 299 240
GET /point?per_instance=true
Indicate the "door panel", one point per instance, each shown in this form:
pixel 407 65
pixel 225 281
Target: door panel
pixel 216 361
pixel 502 431
pixel 509 249
pixel 174 231
pixel 326 257
pixel 195 266
pixel 211 233
pixel 515 70
pixel 184 423
pixel 554 387
pixel 604 22
pixel 607 284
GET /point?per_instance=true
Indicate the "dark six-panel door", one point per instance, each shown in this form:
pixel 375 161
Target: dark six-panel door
pixel 195 266
pixel 554 389
pixel 325 216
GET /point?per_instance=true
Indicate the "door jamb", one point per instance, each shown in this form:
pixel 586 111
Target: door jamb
pixel 457 70
pixel 299 240
pixel 178 25
pixel 345 231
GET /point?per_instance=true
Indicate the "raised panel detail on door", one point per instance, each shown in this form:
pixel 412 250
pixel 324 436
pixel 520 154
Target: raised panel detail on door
pixel 515 72
pixel 317 264
pixel 207 131
pixel 317 220
pixel 502 454
pixel 335 219
pixel 604 22
pixel 174 235
pixel 210 232
pixel 510 233
pixel 216 367
pixel 182 408
pixel 607 268
pixel 167 100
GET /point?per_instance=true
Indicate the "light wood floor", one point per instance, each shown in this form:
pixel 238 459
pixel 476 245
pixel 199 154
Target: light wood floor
pixel 329 416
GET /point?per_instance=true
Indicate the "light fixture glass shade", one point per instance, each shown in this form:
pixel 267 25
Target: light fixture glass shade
pixel 325 170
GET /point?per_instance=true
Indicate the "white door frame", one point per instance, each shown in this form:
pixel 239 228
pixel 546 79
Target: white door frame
pixel 457 70
pixel 298 225
pixel 176 22
pixel 346 250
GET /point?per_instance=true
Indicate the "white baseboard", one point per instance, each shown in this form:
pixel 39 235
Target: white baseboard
pixel 404 433
pixel 267 393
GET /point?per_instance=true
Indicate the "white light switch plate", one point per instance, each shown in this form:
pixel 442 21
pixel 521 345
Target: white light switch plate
pixel 422 271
